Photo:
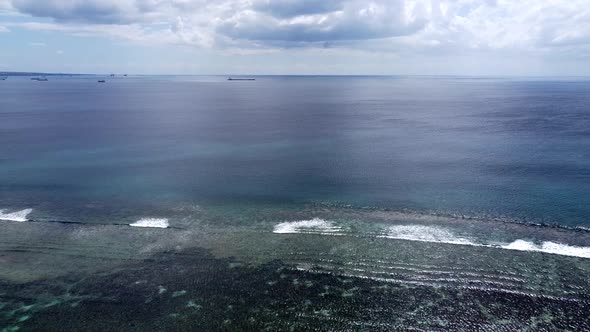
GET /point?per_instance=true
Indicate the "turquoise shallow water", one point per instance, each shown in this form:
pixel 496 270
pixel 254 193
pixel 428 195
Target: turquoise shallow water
pixel 345 203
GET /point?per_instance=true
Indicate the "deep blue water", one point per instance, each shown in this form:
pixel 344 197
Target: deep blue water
pixel 486 148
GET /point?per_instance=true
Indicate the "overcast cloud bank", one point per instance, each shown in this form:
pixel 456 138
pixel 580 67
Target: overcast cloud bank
pixel 558 28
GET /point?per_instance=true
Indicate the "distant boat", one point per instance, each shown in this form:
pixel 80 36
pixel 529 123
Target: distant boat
pixel 3 78
pixel 112 75
pixel 39 79
pixel 102 81
pixel 240 79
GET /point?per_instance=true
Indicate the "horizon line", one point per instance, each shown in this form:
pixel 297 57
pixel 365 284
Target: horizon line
pixel 35 73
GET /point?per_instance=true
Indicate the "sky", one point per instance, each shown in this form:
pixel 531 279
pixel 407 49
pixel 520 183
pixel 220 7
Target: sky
pixel 307 37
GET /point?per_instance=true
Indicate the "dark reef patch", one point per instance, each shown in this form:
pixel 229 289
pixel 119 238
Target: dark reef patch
pixel 194 291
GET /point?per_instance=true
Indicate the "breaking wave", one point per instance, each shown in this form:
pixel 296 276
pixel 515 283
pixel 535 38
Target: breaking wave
pixel 425 234
pixel 151 223
pixel 549 247
pixel 433 234
pixel 313 226
pixel 19 216
pixel 442 235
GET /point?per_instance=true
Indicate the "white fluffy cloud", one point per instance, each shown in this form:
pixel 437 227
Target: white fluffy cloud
pixel 386 25
pixel 346 20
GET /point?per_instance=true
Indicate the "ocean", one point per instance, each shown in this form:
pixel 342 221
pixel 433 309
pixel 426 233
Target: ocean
pixel 295 203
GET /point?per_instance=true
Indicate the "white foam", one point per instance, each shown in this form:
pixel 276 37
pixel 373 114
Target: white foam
pixel 442 235
pixel 151 223
pixel 425 234
pixel 20 216
pixel 549 247
pixel 315 225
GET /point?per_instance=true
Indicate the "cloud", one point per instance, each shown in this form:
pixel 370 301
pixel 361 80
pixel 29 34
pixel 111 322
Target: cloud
pixel 353 20
pixel 4 29
pixel 5 5
pixel 292 8
pixel 107 11
pixel 90 11
pixel 401 26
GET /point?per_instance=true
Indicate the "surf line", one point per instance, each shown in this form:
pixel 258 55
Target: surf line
pixel 65 222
